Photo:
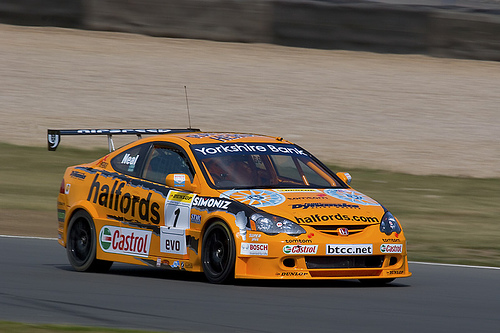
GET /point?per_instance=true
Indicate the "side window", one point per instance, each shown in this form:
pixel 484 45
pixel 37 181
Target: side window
pixel 129 161
pixel 163 161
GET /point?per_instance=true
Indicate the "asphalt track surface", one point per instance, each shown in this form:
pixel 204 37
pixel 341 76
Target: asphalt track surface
pixel 37 285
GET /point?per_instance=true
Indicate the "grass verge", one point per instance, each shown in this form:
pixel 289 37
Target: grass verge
pixel 446 219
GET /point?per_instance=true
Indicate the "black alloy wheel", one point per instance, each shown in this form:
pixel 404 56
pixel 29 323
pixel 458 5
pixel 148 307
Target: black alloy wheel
pixel 218 253
pixel 81 244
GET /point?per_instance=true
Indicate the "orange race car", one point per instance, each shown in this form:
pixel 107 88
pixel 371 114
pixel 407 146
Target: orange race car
pixel 229 205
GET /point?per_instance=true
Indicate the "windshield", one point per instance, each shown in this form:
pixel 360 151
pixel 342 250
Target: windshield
pixel 261 165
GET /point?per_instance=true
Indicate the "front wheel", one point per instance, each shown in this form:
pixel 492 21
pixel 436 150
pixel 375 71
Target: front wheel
pixel 218 253
pixel 81 244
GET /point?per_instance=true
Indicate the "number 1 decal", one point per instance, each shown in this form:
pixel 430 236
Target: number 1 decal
pixel 178 209
pixel 176 213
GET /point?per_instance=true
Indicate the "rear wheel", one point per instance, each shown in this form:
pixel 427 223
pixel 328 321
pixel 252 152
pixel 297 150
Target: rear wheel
pixel 81 244
pixel 218 253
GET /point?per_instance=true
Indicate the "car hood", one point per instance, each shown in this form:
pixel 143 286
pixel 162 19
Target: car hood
pixel 312 206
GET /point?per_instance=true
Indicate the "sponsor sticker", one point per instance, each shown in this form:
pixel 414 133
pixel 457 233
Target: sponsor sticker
pixel 314 218
pixel 395 272
pixel 351 196
pixel 177 265
pixel 173 240
pixel 78 175
pixel 221 149
pixel 391 240
pixel 391 248
pixel 349 249
pixel 211 203
pixel 53 140
pixel 300 249
pixel 126 241
pixel 220 136
pixel 256 198
pixel 177 209
pixel 293 273
pixel 298 241
pixel 130 161
pixel 180 196
pixel 254 249
pixel 254 237
pixel 195 218
pixel 323 205
pixel 319 196
pixel 290 190
pixel 179 180
pixel 61 215
pixel 121 201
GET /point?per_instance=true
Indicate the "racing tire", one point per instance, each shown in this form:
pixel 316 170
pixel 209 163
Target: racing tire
pixel 81 244
pixel 218 253
pixel 375 282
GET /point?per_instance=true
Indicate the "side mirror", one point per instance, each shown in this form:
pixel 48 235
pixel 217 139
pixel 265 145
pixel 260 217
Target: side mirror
pixel 181 181
pixel 345 176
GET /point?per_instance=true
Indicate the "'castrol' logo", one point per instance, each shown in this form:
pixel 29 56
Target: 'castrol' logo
pixel 127 241
pixel 300 249
pixel 391 248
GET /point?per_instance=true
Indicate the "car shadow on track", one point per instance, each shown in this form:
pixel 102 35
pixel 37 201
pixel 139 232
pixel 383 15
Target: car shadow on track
pixel 179 275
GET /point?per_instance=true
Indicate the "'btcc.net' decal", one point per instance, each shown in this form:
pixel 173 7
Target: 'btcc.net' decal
pixel 349 249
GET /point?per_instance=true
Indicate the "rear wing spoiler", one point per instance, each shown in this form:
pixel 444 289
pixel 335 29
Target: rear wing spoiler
pixel 54 135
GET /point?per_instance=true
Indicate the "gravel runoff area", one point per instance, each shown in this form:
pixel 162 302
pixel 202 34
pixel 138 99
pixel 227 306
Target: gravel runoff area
pixel 407 113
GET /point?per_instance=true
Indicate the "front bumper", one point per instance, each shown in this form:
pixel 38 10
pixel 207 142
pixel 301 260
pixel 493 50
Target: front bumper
pixel 368 255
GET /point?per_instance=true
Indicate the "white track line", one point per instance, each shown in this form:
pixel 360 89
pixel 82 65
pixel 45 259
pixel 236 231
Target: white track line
pixel 451 265
pixel 410 262
pixel 27 237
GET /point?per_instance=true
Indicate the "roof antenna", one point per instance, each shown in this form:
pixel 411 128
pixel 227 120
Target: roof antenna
pixel 187 104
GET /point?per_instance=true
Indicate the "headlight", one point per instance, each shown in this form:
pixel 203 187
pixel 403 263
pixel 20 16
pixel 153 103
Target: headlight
pixel 389 224
pixel 273 225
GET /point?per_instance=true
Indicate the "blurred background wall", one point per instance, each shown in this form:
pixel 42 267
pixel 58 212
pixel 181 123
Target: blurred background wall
pixel 447 28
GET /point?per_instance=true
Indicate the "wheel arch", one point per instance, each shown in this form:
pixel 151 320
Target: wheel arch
pixel 211 220
pixel 71 212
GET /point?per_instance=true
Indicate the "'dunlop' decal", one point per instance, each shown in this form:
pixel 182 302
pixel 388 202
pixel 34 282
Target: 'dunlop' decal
pixel 351 196
pixel 256 198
